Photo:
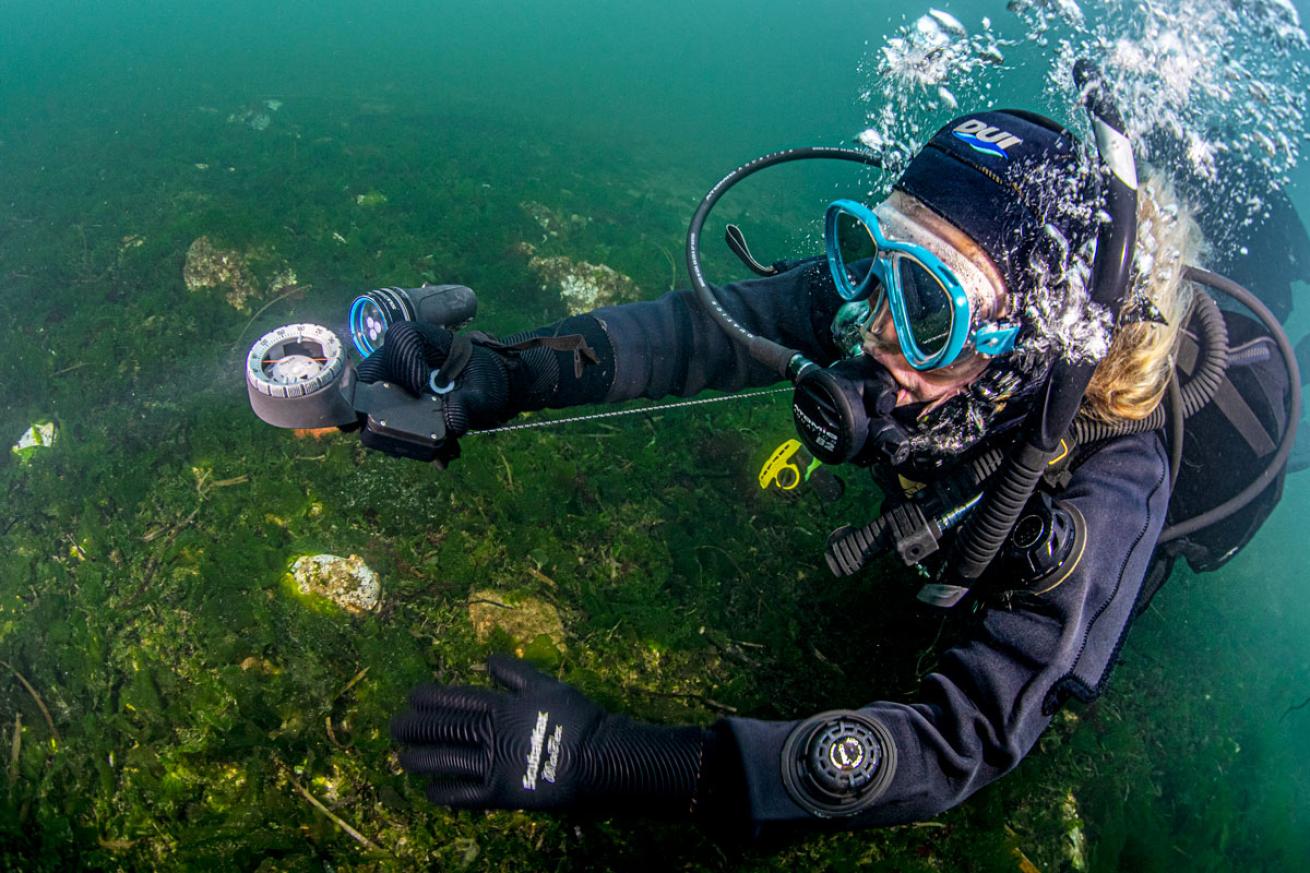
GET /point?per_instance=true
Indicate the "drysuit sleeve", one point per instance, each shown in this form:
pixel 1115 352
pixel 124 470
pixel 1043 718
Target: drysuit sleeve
pixel 994 694
pixel 672 346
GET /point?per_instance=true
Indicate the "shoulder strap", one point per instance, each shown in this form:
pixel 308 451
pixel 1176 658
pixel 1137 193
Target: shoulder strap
pixel 1229 401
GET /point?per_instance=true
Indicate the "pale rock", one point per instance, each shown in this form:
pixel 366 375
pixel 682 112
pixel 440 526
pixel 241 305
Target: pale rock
pixel 41 435
pixel 584 286
pixel 347 582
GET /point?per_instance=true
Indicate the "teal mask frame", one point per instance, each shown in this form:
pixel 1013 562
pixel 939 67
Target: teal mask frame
pixel 988 338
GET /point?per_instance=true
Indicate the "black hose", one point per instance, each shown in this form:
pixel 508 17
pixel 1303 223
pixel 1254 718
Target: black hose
pixel 986 464
pixel 850 548
pixel 1050 421
pixel 1212 364
pixel 987 530
pixel 1212 361
pixel 1177 429
pixel 1257 486
pixel 1251 352
pixel 769 353
pixel 1087 430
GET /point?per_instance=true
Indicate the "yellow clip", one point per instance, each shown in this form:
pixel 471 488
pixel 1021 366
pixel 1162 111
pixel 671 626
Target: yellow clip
pixel 1064 453
pixel 909 486
pixel 780 470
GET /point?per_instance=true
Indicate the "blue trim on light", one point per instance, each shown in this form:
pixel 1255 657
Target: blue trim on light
pixel 988 339
pixel 357 332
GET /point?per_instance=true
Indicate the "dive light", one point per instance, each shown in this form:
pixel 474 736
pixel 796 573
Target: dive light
pixel 371 313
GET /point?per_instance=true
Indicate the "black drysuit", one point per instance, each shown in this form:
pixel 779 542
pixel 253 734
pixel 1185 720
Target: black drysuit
pixel 993 694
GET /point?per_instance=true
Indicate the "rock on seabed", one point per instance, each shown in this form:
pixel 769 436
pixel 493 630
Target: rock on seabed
pixel 347 582
pixel 522 618
pixel 584 286
pixel 208 266
pixel 41 435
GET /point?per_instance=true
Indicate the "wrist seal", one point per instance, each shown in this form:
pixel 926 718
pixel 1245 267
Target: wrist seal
pixel 837 764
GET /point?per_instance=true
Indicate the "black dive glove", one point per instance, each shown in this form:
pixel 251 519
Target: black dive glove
pixel 544 745
pixel 486 381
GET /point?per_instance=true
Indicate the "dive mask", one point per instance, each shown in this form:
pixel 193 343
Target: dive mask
pixel 923 295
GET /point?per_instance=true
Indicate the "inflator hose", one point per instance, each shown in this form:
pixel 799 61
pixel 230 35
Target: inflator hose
pixel 987 530
pixel 1257 486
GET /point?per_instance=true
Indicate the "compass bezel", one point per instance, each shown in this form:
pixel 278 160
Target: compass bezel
pixel 275 343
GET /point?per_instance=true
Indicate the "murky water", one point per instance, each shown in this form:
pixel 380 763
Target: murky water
pixel 175 182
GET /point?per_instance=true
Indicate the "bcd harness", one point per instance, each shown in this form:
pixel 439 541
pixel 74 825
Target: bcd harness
pixel 1228 417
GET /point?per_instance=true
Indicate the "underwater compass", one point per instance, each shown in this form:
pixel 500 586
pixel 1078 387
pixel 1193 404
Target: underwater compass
pixel 296 377
pixel 294 360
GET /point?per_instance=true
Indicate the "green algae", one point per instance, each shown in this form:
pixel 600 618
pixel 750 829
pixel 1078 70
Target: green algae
pixel 141 592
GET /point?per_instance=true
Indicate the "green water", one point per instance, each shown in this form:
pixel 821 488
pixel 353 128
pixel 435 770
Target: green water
pixel 178 703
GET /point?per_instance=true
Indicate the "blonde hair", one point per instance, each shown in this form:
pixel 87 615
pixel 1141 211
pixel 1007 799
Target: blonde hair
pixel 1130 382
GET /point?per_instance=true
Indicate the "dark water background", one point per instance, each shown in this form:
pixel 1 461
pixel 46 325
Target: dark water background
pixel 143 604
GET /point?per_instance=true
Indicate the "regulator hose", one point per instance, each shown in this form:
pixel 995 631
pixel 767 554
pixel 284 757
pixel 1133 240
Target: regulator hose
pixel 1212 364
pixel 787 363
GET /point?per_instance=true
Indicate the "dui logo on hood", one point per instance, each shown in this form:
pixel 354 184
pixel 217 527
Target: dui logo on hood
pixel 982 137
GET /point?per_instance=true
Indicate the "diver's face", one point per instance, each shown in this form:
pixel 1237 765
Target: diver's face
pixel 988 299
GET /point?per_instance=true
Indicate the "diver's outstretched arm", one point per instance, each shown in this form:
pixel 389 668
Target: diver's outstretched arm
pixel 540 744
pixel 994 694
pixel 648 349
pixel 671 346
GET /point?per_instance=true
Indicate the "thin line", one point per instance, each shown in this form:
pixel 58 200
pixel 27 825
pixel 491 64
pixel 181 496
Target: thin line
pixel 643 409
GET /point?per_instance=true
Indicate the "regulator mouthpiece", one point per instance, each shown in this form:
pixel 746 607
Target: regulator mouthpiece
pixel 450 306
pixel 844 414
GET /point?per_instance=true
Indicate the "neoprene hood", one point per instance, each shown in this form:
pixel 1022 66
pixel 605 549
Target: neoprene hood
pixel 1008 178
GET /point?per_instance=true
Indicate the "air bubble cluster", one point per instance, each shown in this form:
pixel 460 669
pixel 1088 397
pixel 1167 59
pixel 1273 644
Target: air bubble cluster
pixel 1213 94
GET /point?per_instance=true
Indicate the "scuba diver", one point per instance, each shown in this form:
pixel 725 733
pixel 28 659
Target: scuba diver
pixel 1019 400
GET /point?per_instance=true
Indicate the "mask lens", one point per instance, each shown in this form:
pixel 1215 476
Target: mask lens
pixel 854 241
pixel 928 308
